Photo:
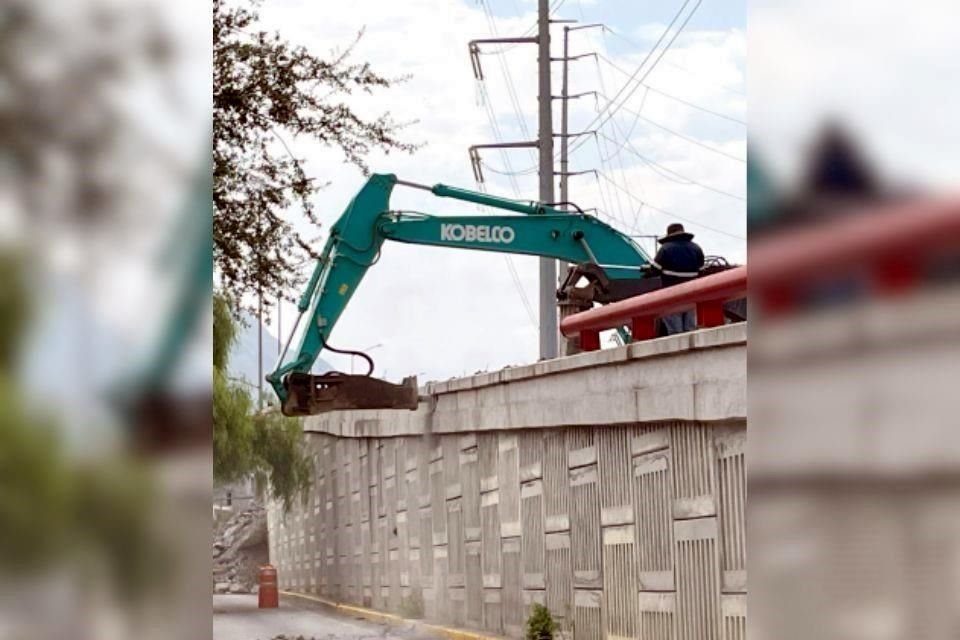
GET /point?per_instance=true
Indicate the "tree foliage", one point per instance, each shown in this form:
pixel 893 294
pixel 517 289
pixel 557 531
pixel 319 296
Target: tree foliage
pixel 266 446
pixel 267 91
pixel 69 142
pixel 56 510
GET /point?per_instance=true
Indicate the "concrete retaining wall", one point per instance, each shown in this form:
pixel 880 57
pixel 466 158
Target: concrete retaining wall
pixel 609 486
pixel 855 471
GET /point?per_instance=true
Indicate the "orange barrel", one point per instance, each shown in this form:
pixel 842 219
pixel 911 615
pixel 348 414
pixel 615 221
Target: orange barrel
pixel 269 592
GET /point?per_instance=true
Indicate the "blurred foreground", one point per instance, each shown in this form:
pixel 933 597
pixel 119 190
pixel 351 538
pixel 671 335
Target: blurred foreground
pixel 854 357
pixel 105 365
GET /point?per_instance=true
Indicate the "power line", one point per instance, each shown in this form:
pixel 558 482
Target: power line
pixel 522 172
pixel 716 84
pixel 548 330
pixel 598 121
pixel 527 32
pixel 494 125
pixel 505 157
pixel 671 96
pixel 644 203
pixel 603 151
pixel 517 283
pixel 505 70
pixel 686 179
pixel 636 117
pixel 686 137
pixel 695 106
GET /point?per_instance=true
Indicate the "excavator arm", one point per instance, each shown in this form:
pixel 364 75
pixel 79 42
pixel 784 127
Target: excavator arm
pixel 354 246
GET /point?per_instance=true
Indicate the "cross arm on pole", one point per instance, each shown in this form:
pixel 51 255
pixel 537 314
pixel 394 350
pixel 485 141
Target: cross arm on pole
pixel 576 95
pixel 576 57
pixel 474 46
pixel 576 134
pixel 475 162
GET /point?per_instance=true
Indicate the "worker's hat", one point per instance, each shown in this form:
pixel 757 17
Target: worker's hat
pixel 675 231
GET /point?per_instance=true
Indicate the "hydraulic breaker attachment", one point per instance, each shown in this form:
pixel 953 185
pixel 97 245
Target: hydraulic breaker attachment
pixel 312 394
pixel 599 287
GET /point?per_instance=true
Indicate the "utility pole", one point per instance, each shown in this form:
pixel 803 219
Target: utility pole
pixel 564 118
pixel 260 350
pixel 549 325
pixel 565 98
pixel 569 344
pixel 279 322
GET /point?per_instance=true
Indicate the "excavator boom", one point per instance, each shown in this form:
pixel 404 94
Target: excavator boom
pixel 354 244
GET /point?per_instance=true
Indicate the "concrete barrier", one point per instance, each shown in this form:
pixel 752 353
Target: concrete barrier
pixel 609 486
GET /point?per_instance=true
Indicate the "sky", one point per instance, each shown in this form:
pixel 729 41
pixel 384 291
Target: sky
pixel 441 313
pixel 886 70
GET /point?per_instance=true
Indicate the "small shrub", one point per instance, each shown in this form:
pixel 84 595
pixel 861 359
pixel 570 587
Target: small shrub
pixel 540 624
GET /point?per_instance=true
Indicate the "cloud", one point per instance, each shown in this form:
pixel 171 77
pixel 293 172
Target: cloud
pixel 885 70
pixel 445 312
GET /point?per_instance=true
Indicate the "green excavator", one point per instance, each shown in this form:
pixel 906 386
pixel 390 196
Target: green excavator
pixel 606 266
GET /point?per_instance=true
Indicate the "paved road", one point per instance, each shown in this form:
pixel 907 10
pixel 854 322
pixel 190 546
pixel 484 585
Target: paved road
pixel 236 617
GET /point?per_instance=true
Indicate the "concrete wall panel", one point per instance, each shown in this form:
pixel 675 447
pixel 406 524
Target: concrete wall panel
pixel 508 474
pixel 490 526
pixel 531 512
pixel 693 472
pixel 458 606
pixel 513 610
pixel 492 611
pixel 555 483
pixel 470 482
pixel 450 446
pixel 657 616
pixel 403 539
pixel 487 448
pixel 438 501
pixel 423 447
pixel 620 581
pixel 653 499
pixel 698 583
pixel 401 474
pixel 441 595
pixel 531 455
pixel 588 615
pixel 559 575
pixel 732 482
pixel 456 569
pixel 615 487
pixel 426 547
pixel 474 584
pixel 585 527
pixel 734 610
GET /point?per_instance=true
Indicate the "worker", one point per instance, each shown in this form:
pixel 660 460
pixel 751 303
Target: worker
pixel 678 260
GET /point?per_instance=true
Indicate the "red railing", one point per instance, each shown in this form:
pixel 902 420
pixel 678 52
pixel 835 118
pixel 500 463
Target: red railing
pixel 707 295
pixel 886 246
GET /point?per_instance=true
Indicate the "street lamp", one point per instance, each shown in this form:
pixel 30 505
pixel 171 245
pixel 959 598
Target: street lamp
pixel 364 350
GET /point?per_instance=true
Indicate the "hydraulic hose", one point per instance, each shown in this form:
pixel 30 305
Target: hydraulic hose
pixel 347 352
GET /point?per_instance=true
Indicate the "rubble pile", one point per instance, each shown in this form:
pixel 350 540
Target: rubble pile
pixel 239 550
